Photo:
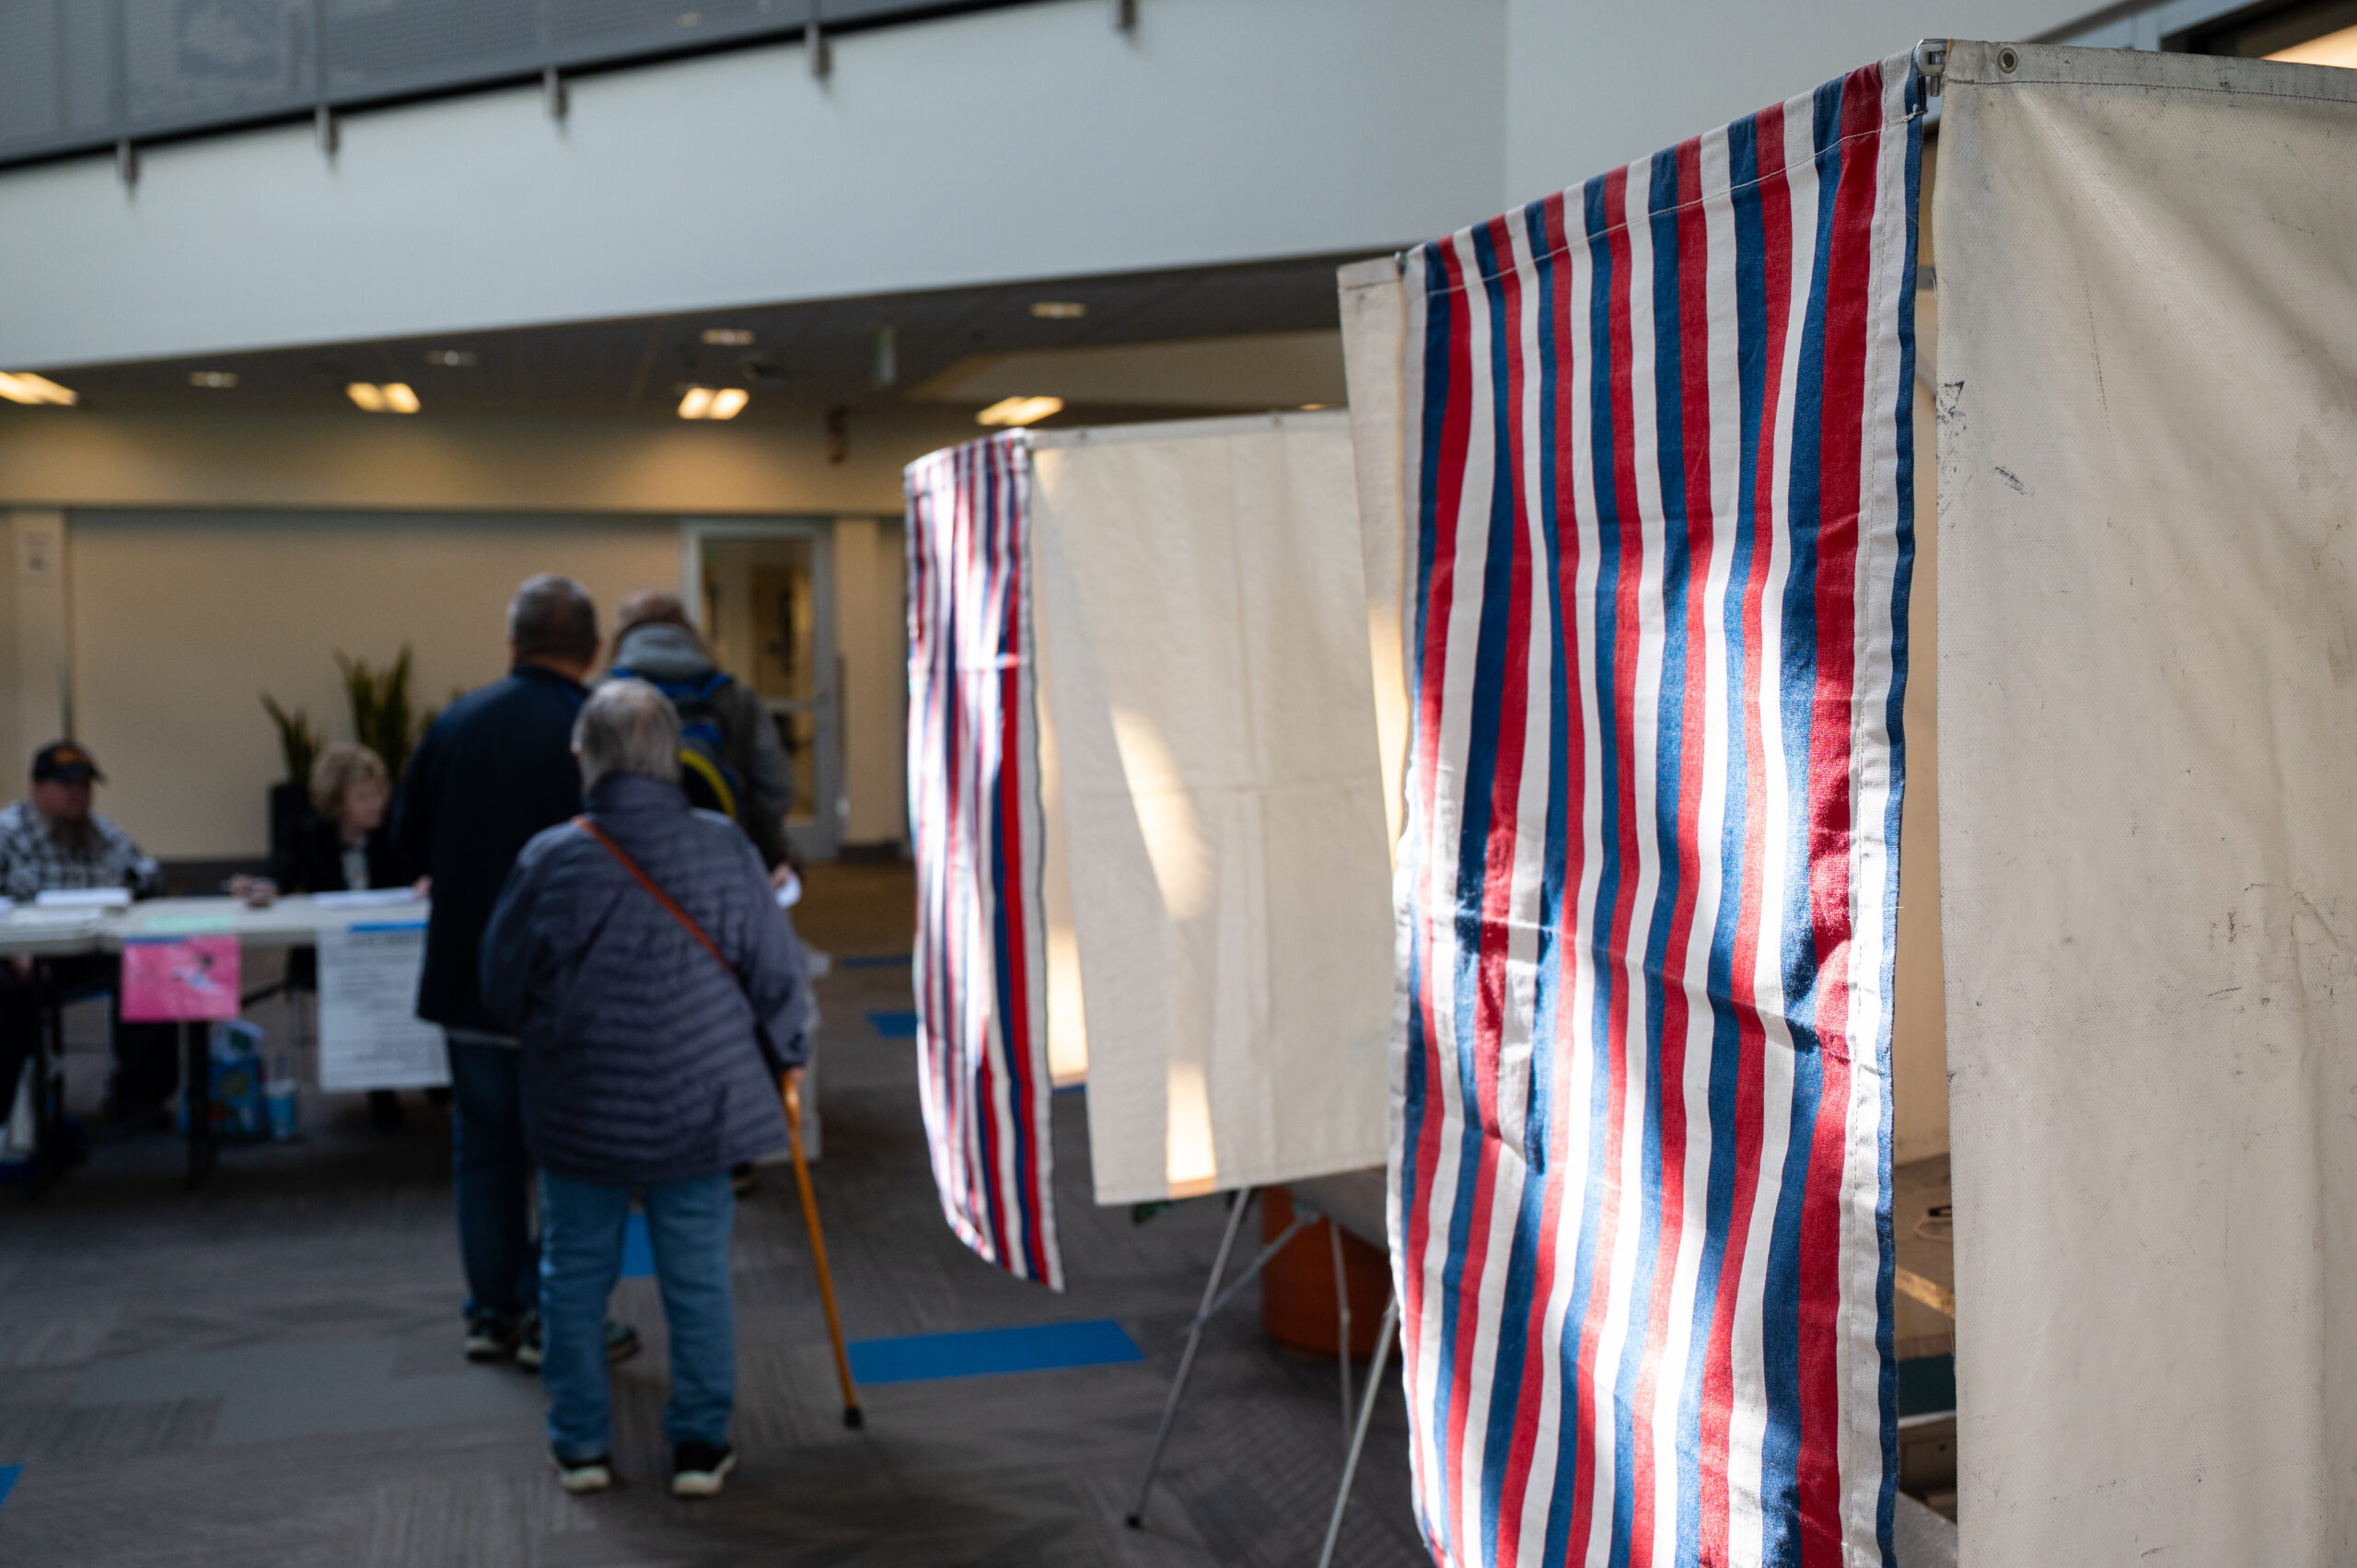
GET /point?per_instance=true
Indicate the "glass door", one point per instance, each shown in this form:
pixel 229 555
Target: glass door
pixel 762 594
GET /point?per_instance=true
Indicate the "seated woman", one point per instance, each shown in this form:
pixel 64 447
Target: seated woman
pixel 343 847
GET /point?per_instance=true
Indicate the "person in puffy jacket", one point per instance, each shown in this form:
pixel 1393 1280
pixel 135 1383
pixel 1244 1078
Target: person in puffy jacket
pixel 649 1061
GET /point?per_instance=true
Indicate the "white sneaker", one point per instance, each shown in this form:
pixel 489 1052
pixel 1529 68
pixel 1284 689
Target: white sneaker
pixel 699 1470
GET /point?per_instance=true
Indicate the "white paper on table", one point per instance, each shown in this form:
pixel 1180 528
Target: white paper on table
pixel 370 1035
pixel 370 897
pixel 56 919
pixel 83 897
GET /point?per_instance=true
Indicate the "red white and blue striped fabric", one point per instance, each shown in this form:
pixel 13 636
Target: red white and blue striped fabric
pixel 975 825
pixel 1659 455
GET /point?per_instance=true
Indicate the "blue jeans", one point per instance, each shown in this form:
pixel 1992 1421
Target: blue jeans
pixel 581 1252
pixel 491 1177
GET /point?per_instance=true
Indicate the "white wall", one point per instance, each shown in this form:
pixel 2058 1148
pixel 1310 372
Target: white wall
pixel 1593 84
pixel 872 638
pixel 1030 142
pixel 180 621
pixel 209 559
pixel 71 458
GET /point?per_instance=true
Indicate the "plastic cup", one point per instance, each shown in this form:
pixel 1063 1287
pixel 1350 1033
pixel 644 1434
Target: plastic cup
pixel 278 1095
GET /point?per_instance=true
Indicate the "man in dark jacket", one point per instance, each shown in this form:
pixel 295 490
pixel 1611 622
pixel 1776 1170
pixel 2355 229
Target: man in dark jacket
pixel 642 959
pixel 495 769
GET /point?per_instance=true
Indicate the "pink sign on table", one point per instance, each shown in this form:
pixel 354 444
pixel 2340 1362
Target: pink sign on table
pixel 168 979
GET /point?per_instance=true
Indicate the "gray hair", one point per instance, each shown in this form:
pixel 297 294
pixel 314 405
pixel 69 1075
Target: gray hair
pixel 627 726
pixel 552 617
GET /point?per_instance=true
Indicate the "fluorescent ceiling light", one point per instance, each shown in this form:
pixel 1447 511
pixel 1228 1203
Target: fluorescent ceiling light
pixel 696 403
pixel 217 380
pixel 2332 49
pixel 727 402
pixel 1019 411
pixel 1059 309
pixel 728 337
pixel 394 397
pixel 24 387
pixel 451 359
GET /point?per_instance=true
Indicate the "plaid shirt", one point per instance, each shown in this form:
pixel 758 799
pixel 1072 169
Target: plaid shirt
pixel 33 861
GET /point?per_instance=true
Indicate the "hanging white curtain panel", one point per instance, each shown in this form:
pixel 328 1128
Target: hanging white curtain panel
pixel 1655 494
pixel 1203 636
pixel 2148 720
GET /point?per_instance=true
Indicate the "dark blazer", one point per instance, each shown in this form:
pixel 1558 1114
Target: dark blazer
pixel 496 768
pixel 313 861
pixel 640 1063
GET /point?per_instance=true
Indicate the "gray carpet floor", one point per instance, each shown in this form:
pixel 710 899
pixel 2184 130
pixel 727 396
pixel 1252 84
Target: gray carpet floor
pixel 269 1371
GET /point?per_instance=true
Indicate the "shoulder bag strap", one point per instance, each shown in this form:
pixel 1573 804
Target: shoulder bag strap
pixel 682 916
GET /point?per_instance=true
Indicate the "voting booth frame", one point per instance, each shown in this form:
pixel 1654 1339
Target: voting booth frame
pixel 1218 1291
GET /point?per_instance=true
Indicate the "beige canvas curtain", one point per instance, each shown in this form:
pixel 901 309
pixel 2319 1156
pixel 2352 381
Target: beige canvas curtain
pixel 1201 609
pixel 2148 723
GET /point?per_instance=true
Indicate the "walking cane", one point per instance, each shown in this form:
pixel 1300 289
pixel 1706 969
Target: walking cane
pixel 793 1091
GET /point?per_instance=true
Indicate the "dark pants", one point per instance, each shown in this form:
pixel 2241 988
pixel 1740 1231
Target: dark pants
pixel 147 1056
pixel 491 1174
pixel 20 1032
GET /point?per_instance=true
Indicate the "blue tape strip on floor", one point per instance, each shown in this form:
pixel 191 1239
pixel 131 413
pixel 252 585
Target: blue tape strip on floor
pixel 8 1474
pixel 638 1253
pixel 1927 1385
pixel 1039 1347
pixel 895 1025
pixel 876 961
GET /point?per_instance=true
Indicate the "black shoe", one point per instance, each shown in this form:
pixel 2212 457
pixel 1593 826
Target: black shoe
pixel 699 1470
pixel 622 1343
pixel 492 1336
pixel 584 1475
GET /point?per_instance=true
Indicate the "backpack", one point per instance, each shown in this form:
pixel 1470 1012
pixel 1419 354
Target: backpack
pixel 706 773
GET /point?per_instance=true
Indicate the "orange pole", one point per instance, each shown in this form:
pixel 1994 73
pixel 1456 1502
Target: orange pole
pixel 793 1091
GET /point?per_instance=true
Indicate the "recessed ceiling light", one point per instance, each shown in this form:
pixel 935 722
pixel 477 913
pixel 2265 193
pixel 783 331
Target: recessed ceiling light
pixel 24 387
pixel 216 380
pixel 1059 309
pixel 695 403
pixel 451 359
pixel 1019 411
pixel 2332 49
pixel 393 396
pixel 728 337
pixel 729 402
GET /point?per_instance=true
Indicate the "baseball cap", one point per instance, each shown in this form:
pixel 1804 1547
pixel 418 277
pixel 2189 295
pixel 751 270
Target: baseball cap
pixel 65 762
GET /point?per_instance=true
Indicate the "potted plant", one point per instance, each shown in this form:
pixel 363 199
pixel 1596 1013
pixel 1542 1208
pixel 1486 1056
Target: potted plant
pixel 298 743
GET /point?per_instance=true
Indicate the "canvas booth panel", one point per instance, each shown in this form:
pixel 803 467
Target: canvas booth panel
pixel 1201 613
pixel 2148 601
pixel 1147 814
pixel 1650 509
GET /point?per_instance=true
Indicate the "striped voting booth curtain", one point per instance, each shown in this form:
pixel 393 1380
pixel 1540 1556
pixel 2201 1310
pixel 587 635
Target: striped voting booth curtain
pixel 975 825
pixel 1659 463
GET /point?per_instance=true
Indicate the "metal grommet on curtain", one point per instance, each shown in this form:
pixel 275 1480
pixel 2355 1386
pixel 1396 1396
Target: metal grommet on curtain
pixel 2009 60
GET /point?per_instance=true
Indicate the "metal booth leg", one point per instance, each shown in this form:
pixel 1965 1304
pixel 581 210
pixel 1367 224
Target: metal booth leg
pixel 1342 1321
pixel 196 1102
pixel 1358 1438
pixel 1186 1358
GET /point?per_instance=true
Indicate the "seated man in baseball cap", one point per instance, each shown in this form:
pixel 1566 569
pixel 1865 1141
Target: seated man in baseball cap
pixel 52 839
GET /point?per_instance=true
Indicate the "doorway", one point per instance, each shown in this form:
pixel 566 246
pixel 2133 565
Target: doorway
pixel 762 594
